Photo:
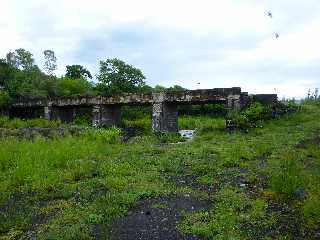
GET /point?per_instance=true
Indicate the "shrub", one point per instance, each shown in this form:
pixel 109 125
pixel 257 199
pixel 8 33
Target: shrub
pixel 4 98
pixel 251 116
pixel 83 120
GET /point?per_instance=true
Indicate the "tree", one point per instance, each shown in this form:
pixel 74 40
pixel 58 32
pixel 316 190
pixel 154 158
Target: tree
pixel 6 73
pixel 77 72
pixel 116 76
pixel 50 63
pixel 176 88
pixel 21 59
pixel 159 88
pixel 4 98
pixel 74 87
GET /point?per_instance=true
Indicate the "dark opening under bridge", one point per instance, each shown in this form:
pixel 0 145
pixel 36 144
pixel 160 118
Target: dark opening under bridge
pixel 106 110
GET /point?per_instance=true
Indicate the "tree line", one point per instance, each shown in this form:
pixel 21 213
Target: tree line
pixel 21 77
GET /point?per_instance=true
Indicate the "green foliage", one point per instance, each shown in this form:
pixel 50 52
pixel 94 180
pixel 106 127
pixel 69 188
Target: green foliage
pixel 159 88
pixel 251 116
pixel 82 120
pixel 77 72
pixel 74 87
pixel 204 109
pixel 311 209
pixel 108 136
pixel 232 210
pixel 169 137
pixel 31 83
pixel 116 76
pixel 201 123
pixel 4 99
pixel 21 59
pixel 15 123
pixel 287 178
pixel 6 73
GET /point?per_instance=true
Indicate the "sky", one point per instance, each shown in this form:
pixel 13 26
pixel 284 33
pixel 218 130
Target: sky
pixel 195 44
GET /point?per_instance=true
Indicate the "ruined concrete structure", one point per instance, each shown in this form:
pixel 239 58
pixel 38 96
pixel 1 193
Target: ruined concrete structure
pixel 106 111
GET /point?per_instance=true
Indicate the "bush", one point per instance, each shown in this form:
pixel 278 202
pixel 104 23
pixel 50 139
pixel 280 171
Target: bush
pixel 4 99
pixel 251 116
pixel 83 120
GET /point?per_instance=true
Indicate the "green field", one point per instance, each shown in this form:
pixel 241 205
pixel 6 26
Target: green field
pixel 259 184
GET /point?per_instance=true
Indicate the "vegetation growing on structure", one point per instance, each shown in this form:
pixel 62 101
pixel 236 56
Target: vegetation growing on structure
pixel 255 113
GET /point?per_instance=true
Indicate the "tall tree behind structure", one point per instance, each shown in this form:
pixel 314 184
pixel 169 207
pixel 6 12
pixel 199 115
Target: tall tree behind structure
pixel 50 63
pixel 21 59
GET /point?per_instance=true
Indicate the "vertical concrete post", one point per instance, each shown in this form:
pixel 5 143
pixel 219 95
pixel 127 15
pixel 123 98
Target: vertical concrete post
pixel 234 102
pixel 164 115
pixel 106 115
pixel 48 113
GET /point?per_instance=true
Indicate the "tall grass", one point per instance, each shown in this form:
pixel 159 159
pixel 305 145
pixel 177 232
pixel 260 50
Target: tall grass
pixel 44 163
pixel 15 123
pixel 201 123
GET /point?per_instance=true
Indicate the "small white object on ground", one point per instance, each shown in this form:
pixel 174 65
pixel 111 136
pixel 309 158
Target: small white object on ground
pixel 189 134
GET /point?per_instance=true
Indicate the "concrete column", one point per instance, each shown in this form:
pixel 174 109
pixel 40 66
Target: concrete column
pixel 164 115
pixel 106 115
pixel 48 113
pixel 234 102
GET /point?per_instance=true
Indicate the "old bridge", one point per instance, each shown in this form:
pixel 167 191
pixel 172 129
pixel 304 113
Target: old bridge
pixel 106 110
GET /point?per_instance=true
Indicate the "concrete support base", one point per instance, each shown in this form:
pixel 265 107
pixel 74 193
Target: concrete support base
pixel 106 115
pixel 164 117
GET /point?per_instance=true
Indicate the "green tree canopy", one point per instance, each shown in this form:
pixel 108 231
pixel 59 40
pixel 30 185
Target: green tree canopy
pixel 116 76
pixel 74 87
pixel 4 98
pixel 21 59
pixel 6 73
pixel 77 72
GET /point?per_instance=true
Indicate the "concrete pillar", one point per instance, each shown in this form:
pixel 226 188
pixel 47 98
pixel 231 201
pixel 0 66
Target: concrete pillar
pixel 164 115
pixel 234 102
pixel 48 113
pixel 106 115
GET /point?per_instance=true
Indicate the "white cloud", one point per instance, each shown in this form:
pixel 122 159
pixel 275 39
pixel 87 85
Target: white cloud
pixel 218 43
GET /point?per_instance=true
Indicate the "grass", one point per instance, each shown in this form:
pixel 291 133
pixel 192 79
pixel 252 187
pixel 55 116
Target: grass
pixel 263 181
pixel 15 123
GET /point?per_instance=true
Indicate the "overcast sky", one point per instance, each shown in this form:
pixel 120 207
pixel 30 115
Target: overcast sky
pixel 212 42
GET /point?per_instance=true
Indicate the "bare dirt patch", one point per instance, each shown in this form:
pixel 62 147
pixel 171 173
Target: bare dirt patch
pixel 157 218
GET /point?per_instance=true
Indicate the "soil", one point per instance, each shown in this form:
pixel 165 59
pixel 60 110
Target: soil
pixel 149 221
